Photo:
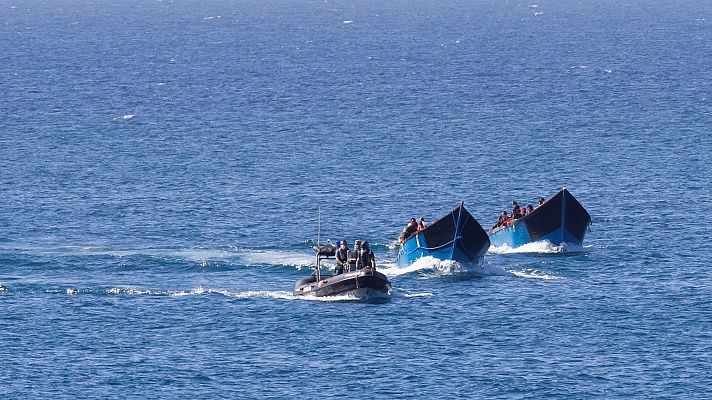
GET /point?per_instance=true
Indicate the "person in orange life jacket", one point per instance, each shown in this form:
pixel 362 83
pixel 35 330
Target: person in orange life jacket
pixel 524 211
pixel 353 256
pixel 342 256
pixel 409 230
pixel 422 225
pixel 366 258
pixel 507 218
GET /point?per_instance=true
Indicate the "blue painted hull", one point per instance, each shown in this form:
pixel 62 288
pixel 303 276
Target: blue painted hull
pixel 561 219
pixel 457 236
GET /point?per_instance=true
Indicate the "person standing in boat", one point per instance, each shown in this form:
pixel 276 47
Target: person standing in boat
pixel 353 256
pixel 366 258
pixel 342 257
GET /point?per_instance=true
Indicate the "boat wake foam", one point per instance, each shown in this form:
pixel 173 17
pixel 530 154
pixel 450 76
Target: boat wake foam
pixel 200 291
pixel 274 257
pixel 201 256
pixel 541 247
pixel 443 267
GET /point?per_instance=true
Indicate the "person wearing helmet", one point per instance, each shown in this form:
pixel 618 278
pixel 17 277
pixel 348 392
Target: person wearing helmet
pixel 342 254
pixel 366 258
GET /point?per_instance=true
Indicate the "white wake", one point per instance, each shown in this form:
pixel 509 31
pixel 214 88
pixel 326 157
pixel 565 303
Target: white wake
pixel 541 247
pixel 443 267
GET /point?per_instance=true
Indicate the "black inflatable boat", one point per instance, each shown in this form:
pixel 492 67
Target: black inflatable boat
pixel 362 284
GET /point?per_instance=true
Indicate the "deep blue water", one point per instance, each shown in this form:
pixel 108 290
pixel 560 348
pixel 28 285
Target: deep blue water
pixel 162 164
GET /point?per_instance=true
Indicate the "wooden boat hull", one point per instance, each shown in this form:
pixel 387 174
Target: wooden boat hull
pixel 560 220
pixel 457 236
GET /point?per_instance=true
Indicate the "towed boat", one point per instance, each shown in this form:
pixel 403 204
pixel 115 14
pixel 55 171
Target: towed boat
pixel 457 237
pixel 559 220
pixel 362 284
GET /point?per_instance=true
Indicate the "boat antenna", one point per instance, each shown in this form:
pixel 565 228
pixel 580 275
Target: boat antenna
pixel 318 226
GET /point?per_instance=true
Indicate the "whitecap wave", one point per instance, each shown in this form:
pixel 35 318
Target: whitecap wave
pixel 132 291
pixel 124 117
pixel 424 294
pixel 533 274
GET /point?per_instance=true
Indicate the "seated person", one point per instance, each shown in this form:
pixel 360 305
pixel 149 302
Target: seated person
pixel 530 208
pixel 342 256
pixel 516 211
pixel 541 201
pixel 500 220
pixel 523 211
pixel 421 224
pixel 366 258
pixel 409 230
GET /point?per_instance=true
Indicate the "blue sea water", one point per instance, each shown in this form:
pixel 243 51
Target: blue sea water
pixel 163 163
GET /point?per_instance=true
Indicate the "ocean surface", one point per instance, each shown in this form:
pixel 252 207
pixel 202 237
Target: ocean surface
pixel 163 165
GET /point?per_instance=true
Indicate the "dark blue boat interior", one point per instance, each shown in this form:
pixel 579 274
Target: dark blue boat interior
pixel 545 219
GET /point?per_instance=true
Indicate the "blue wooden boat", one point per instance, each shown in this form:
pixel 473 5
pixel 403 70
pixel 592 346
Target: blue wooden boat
pixel 560 220
pixel 457 236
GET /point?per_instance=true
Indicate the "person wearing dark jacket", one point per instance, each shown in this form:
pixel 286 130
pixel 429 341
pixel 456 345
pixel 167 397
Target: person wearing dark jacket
pixel 516 210
pixel 409 230
pixel 500 220
pixel 353 256
pixel 366 258
pixel 342 257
